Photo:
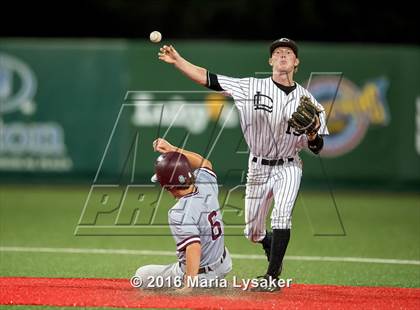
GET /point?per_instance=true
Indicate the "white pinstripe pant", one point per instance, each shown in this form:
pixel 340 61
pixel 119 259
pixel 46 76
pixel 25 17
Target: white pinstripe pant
pixel 263 184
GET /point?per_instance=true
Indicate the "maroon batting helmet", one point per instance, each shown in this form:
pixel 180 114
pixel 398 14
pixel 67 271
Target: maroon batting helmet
pixel 173 170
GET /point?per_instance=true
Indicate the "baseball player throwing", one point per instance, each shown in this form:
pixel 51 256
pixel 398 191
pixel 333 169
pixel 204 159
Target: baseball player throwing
pixel 278 117
pixel 195 222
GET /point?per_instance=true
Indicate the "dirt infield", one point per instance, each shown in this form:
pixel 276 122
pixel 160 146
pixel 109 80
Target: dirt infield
pixel 80 292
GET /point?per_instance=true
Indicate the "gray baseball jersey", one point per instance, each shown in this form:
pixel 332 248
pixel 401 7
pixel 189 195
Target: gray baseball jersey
pixel 197 218
pixel 264 111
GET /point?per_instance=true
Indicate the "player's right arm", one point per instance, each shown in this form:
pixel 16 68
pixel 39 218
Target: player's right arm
pixel 192 261
pixel 196 160
pixel 169 55
pixel 233 87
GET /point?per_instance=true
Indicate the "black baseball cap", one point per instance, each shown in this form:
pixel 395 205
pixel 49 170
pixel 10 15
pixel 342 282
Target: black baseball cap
pixel 284 42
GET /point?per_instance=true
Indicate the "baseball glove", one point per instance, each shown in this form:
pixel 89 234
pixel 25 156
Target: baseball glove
pixel 305 119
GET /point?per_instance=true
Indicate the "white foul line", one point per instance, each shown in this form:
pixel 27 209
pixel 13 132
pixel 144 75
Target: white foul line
pixel 236 256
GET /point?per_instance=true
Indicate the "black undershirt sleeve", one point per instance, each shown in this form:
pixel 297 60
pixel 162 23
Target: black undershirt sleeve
pixel 316 145
pixel 212 82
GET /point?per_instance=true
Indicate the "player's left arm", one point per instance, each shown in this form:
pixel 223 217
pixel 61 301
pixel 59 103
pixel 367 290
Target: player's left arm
pixel 196 160
pixel 315 139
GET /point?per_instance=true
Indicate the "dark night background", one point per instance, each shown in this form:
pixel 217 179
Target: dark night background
pixel 308 20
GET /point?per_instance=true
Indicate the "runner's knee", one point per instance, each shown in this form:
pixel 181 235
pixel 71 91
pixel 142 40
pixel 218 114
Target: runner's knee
pixel 142 274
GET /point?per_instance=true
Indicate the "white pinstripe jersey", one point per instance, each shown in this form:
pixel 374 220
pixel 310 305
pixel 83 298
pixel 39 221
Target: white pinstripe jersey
pixel 264 110
pixel 196 217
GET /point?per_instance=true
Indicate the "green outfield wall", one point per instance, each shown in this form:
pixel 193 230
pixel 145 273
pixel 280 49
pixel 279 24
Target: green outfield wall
pixel 88 110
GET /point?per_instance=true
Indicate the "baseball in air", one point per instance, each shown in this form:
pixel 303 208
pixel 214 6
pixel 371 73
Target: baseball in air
pixel 155 36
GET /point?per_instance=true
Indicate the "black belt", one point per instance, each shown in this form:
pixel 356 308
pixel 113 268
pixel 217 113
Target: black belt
pixel 207 268
pixel 272 162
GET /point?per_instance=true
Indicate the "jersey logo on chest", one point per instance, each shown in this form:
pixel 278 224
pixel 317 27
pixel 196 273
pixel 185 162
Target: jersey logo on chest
pixel 263 102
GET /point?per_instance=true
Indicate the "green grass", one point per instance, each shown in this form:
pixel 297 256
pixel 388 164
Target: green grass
pixel 377 225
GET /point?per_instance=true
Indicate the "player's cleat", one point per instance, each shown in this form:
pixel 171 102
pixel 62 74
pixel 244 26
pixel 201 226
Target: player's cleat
pixel 266 284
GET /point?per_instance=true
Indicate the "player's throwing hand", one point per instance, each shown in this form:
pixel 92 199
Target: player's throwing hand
pixel 168 54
